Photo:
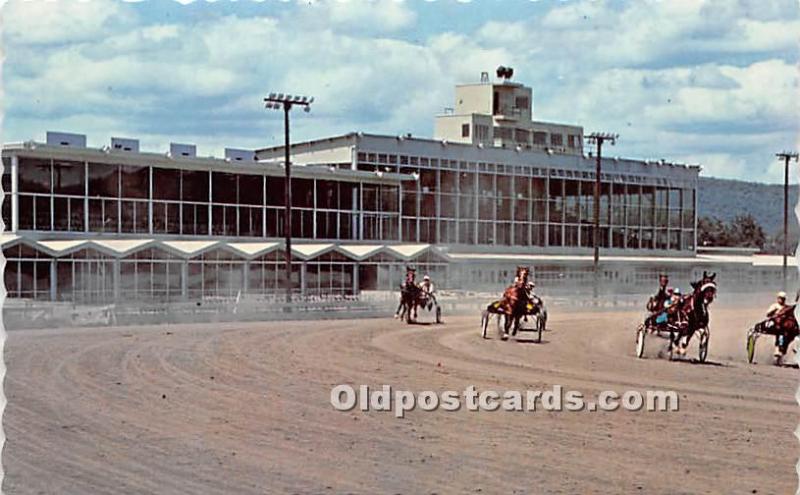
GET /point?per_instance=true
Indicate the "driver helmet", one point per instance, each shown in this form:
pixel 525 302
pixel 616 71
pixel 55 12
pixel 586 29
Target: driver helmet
pixel 426 278
pixel 676 291
pixel 781 295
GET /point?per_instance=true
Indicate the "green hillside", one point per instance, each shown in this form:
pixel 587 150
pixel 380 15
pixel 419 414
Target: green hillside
pixel 724 199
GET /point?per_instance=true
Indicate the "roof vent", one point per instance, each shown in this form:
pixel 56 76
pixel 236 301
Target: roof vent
pixel 125 144
pixel 240 155
pixel 182 150
pixel 66 139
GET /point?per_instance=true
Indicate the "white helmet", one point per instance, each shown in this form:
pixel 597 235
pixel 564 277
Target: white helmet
pixel 426 277
pixel 782 295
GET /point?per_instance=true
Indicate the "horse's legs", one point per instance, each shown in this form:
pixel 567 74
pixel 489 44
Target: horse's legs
pixel 509 321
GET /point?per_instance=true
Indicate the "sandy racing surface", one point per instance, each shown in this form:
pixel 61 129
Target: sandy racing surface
pixel 244 408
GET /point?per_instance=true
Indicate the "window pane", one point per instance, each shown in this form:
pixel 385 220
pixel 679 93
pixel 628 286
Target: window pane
pixel 25 204
pixel 166 183
pixel 303 193
pixel 275 191
pixel 68 177
pixel 135 181
pixel 195 186
pixel 43 213
pixel 103 180
pixel 223 187
pixel 34 175
pixel 76 215
pixel 251 189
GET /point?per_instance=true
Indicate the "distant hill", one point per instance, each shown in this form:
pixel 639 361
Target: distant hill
pixel 724 199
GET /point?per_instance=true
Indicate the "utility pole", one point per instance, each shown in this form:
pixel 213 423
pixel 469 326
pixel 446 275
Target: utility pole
pixel 598 138
pixel 286 102
pixel 786 156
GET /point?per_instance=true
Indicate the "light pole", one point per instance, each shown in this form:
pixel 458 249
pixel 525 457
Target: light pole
pixel 286 102
pixel 598 138
pixel 786 156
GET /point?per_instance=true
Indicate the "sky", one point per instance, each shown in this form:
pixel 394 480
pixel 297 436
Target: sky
pixel 713 83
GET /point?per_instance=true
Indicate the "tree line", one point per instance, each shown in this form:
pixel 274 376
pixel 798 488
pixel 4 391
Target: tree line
pixel 743 231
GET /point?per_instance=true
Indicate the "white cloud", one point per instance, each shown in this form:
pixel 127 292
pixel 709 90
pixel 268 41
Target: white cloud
pixel 47 22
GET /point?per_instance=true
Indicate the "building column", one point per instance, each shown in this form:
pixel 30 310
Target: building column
pixel 184 279
pixel 547 210
pixel 264 207
pixel 360 211
pixel 494 206
pixel 400 213
pixel 303 278
pixel 115 277
pixel 476 198
pixel 438 203
pixel 355 278
pixel 457 216
pixel 513 195
pixel 149 201
pixel 210 215
pixel 86 198
pixel 245 272
pixel 14 194
pixel 314 210
pixel 53 279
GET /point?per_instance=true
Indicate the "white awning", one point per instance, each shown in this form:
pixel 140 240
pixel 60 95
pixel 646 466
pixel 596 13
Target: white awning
pixel 361 251
pixel 308 251
pixel 190 248
pixel 253 249
pixel 408 251
pixel 8 238
pixel 121 247
pixel 58 248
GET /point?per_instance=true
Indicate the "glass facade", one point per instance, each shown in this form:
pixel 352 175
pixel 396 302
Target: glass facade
pixel 496 204
pixel 88 275
pixel 452 202
pixel 59 196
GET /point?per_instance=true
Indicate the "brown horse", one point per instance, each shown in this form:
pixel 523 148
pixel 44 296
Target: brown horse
pixel 513 304
pixel 691 314
pixel 785 329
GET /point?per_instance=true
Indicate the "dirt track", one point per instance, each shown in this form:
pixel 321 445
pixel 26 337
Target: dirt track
pixel 244 408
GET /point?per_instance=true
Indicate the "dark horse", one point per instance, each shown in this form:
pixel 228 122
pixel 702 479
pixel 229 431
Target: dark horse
pixel 692 315
pixel 411 297
pixel 783 326
pixel 514 303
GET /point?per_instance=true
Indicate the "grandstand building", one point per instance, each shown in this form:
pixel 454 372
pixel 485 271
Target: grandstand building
pixel 493 188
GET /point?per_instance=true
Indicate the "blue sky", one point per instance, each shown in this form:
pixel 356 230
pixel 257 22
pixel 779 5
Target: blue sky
pixel 713 83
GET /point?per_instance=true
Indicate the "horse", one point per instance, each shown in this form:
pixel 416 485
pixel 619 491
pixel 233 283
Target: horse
pixel 692 314
pixel 411 297
pixel 513 305
pixel 783 325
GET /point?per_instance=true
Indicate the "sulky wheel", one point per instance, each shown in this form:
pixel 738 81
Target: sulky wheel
pixel 540 323
pixel 751 346
pixel 705 335
pixel 485 316
pixel 640 334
